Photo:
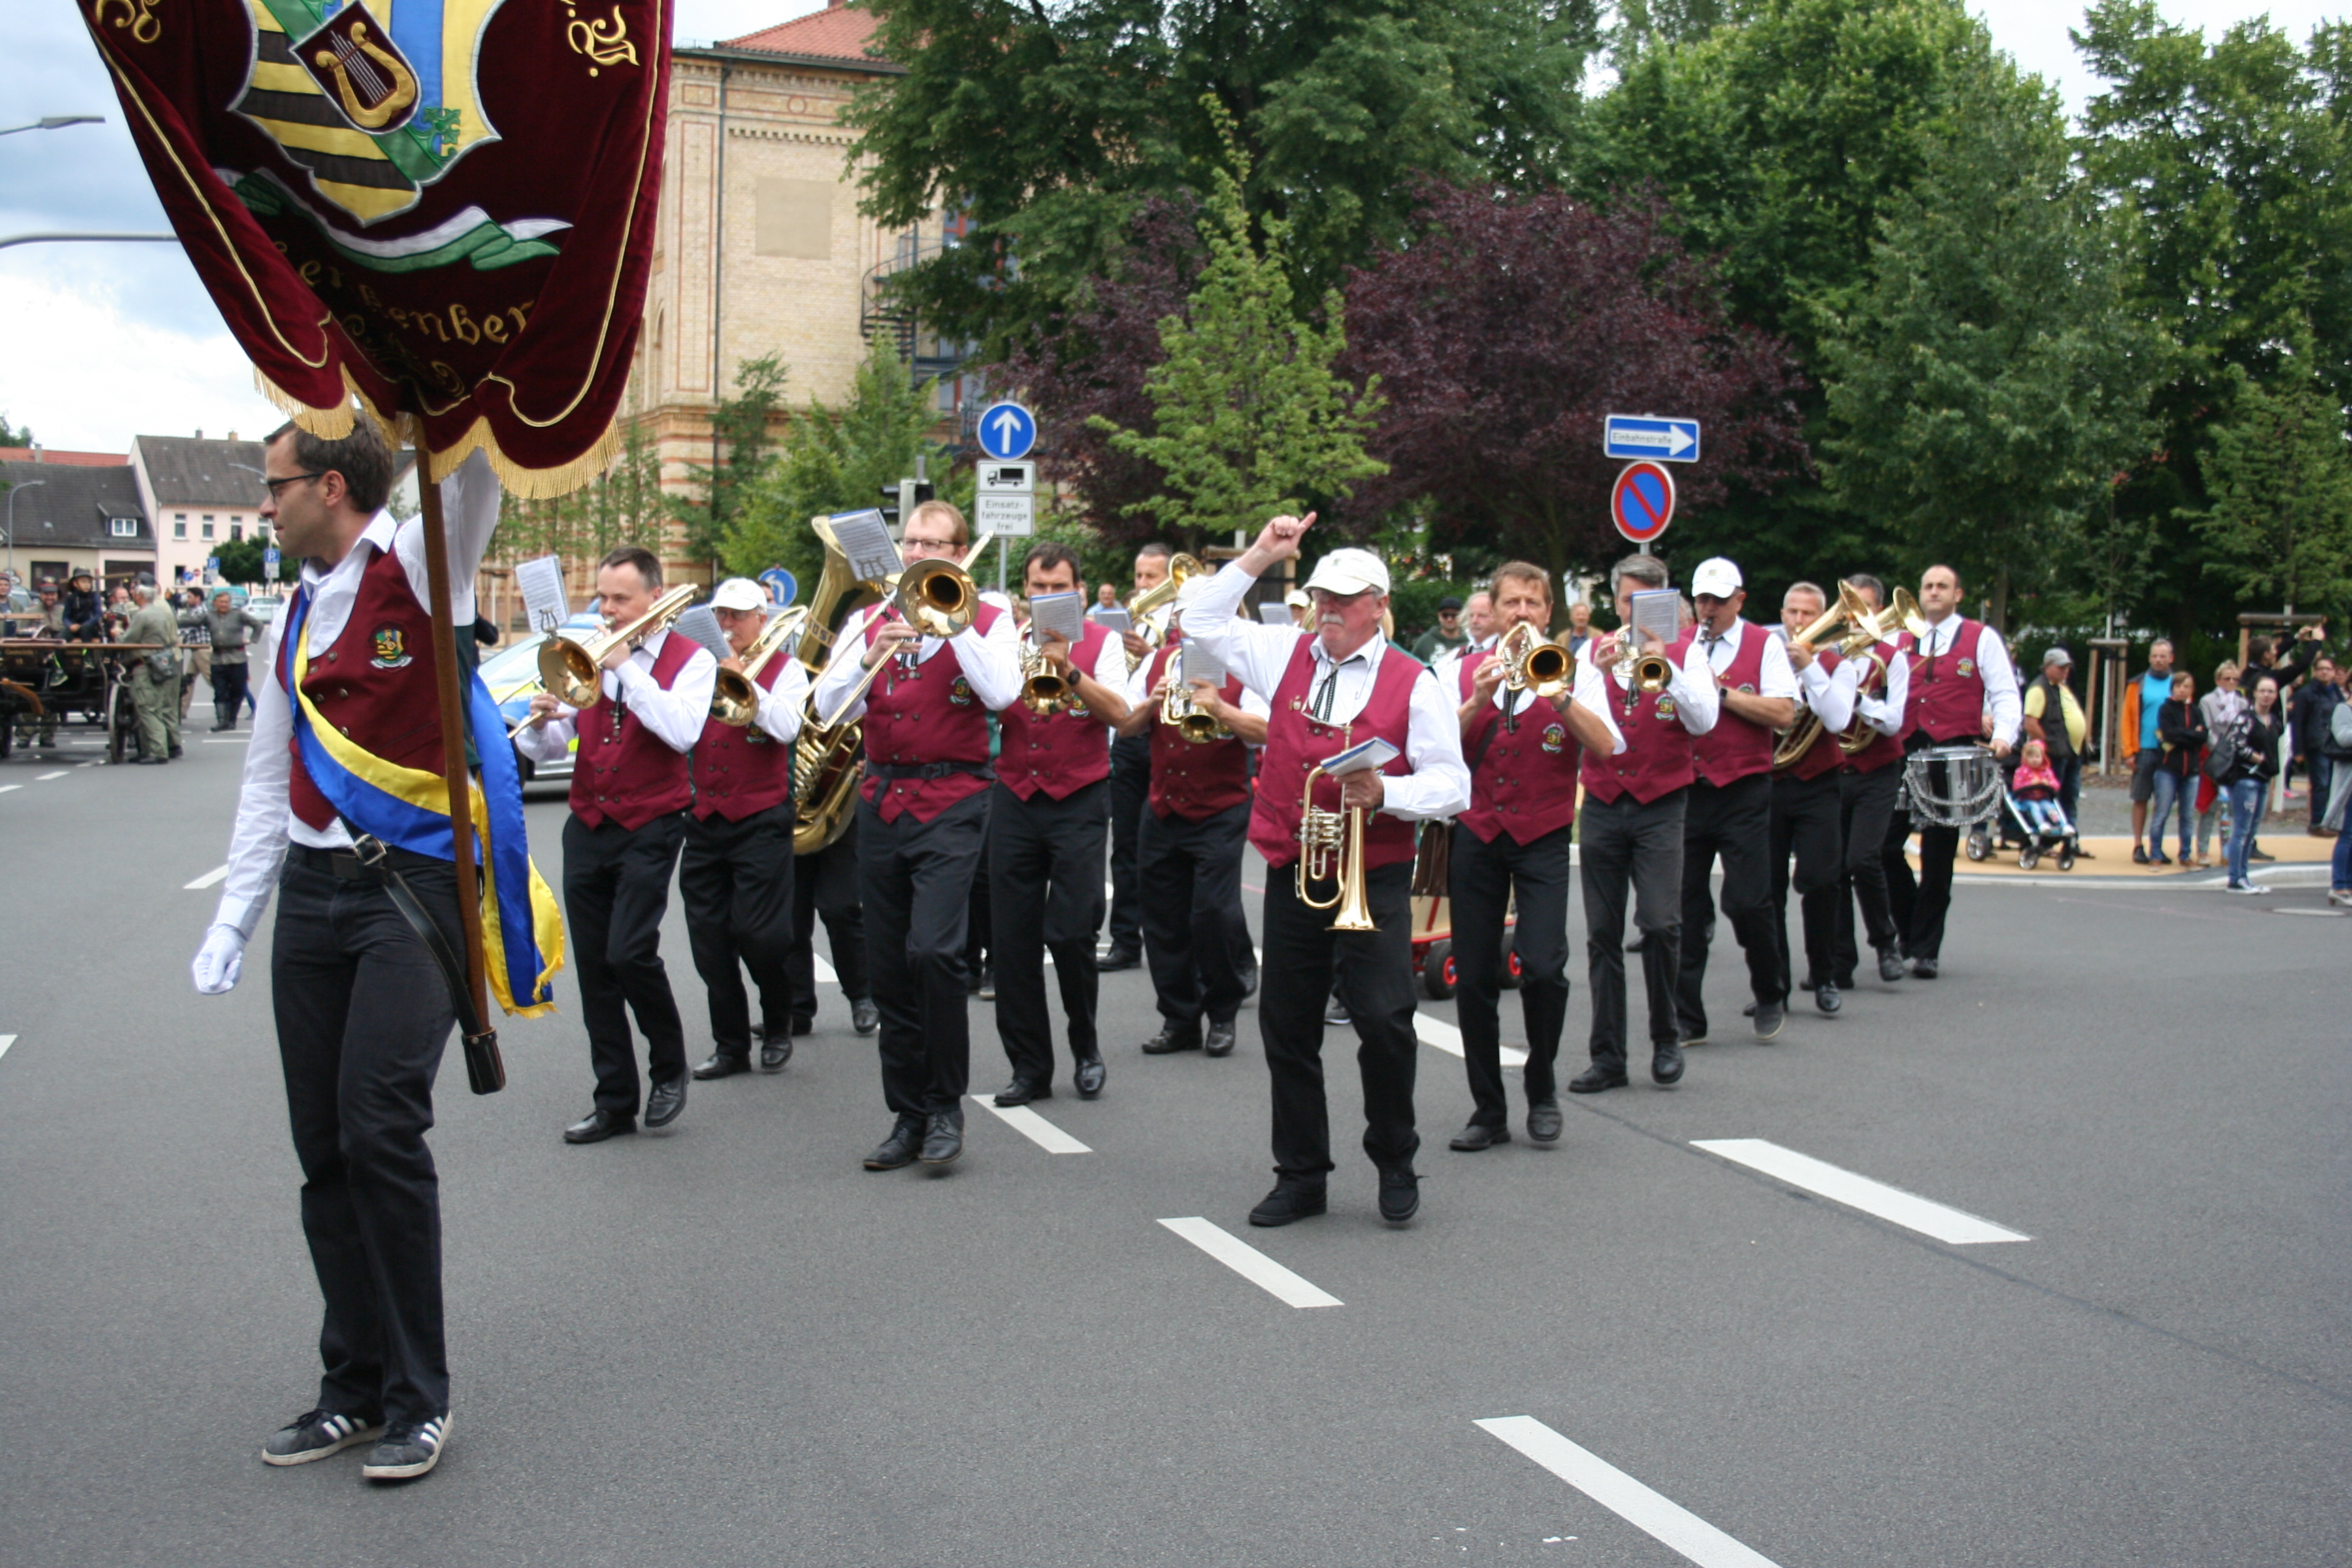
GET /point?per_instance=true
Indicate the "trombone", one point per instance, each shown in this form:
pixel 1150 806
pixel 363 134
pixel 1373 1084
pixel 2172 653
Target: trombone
pixel 735 700
pixel 571 671
pixel 1532 662
pixel 1331 848
pixel 1143 607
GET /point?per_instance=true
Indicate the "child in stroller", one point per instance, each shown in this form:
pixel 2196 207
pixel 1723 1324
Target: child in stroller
pixel 2031 798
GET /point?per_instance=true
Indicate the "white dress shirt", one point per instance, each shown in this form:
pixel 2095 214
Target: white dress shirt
pixel 1828 697
pixel 1257 655
pixel 1692 686
pixel 1883 711
pixel 676 716
pixel 782 704
pixel 1999 676
pixel 265 820
pixel 991 663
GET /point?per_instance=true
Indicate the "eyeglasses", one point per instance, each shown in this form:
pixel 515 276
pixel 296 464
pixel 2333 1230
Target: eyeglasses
pixel 273 486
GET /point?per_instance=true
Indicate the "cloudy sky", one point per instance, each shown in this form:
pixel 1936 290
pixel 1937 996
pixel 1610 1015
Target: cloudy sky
pixel 106 342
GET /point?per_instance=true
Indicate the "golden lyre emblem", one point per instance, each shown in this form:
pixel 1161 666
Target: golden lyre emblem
pixel 362 69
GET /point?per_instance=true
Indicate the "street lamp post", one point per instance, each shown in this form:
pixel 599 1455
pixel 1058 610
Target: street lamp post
pixel 28 484
pixel 56 122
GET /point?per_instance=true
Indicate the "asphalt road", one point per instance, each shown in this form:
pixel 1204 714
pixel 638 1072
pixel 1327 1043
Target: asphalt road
pixel 728 1343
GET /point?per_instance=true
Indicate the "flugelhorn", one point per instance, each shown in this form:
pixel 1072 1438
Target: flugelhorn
pixel 1189 720
pixel 1331 848
pixel 1531 662
pixel 571 669
pixel 735 699
pixel 1044 690
pixel 1142 608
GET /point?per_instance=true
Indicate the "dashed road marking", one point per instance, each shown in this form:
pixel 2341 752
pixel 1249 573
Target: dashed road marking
pixel 1251 1264
pixel 1437 1032
pixel 823 971
pixel 6 788
pixel 44 778
pixel 1908 1210
pixel 5 1041
pixel 1620 1494
pixel 1033 1127
pixel 218 873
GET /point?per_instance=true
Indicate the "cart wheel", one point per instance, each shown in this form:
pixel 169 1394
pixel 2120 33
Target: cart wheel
pixel 1437 971
pixel 2028 857
pixel 2066 859
pixel 1979 844
pixel 1512 970
pixel 117 726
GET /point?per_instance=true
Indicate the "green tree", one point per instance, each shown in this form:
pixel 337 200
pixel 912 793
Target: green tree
pixel 739 430
pixel 240 560
pixel 624 505
pixel 2280 522
pixel 11 436
pixel 838 460
pixel 1050 126
pixel 1249 418
pixel 1989 380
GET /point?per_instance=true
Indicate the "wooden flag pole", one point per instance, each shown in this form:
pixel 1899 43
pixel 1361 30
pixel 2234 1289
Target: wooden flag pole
pixel 453 736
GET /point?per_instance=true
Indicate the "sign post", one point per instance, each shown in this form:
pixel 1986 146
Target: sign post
pixel 1006 500
pixel 269 563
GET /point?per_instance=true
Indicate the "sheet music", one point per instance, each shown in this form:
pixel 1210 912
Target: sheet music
pixel 544 600
pixel 1115 622
pixel 1275 614
pixel 866 539
pixel 1060 614
pixel 1375 753
pixel 1658 612
pixel 700 624
pixel 1199 663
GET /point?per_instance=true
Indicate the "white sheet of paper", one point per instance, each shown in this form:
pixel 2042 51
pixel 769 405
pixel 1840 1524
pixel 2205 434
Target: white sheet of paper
pixel 544 604
pixel 1659 612
pixel 1200 664
pixel 1275 615
pixel 1375 753
pixel 700 624
pixel 1062 615
pixel 865 539
pixel 1115 622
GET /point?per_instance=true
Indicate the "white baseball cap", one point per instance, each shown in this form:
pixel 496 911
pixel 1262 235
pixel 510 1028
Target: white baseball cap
pixel 740 594
pixel 1717 577
pixel 1349 571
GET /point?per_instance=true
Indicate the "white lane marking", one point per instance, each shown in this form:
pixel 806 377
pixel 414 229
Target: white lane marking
pixel 5 1041
pixel 1033 1127
pixel 1251 1264
pixel 85 764
pixel 1623 1496
pixel 1437 1032
pixel 824 970
pixel 44 778
pixel 217 873
pixel 6 788
pixel 1906 1209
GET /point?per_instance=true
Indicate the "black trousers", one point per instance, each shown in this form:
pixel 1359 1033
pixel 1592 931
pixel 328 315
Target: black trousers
pixel 1195 936
pixel 1044 871
pixel 1374 970
pixel 1733 823
pixel 1480 878
pixel 824 886
pixel 1130 793
pixel 616 891
pixel 915 880
pixel 1866 804
pixel 228 690
pixel 735 881
pixel 1806 815
pixel 1624 843
pixel 362 1015
pixel 1919 908
pixel 1902 887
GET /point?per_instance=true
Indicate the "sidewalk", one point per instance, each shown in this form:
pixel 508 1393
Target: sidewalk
pixel 2111 856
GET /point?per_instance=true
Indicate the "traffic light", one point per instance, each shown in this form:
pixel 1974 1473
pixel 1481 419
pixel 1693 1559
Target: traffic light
pixel 903 498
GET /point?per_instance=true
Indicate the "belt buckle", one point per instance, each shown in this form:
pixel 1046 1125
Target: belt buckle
pixel 368 851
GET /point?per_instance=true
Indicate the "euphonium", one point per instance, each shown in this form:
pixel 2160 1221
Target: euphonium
pixel 735 699
pixel 1331 848
pixel 1532 662
pixel 570 670
pixel 1849 610
pixel 1142 607
pixel 1178 709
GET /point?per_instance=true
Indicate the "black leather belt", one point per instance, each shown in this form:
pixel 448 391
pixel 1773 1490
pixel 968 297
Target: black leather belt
pixel 895 772
pixel 345 865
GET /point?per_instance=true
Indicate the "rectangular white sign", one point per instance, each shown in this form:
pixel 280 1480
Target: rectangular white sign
pixel 1013 516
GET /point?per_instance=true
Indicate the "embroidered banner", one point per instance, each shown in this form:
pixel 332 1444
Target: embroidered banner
pixel 444 206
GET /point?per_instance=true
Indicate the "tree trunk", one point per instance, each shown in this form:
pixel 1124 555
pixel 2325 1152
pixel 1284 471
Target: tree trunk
pixel 2001 602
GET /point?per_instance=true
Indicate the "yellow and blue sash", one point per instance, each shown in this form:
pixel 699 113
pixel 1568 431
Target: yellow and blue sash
pixel 408 807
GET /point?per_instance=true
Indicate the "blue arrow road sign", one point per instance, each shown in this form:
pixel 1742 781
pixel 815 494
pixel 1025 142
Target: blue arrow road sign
pixel 1007 431
pixel 1662 441
pixel 780 583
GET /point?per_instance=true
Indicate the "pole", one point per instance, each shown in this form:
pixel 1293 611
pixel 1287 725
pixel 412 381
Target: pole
pixel 452 733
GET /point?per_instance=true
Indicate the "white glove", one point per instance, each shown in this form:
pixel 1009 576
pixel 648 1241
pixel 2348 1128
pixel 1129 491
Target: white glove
pixel 220 960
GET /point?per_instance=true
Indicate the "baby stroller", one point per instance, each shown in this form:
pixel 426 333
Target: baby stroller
pixel 2037 827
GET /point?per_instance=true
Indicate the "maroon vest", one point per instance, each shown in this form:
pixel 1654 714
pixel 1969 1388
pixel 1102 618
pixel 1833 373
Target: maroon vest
pixel 926 715
pixel 1063 751
pixel 1883 749
pixel 1822 756
pixel 1947 691
pixel 741 772
pixel 1525 780
pixel 1657 758
pixel 623 770
pixel 1195 782
pixel 1735 748
pixel 375 684
pixel 1295 743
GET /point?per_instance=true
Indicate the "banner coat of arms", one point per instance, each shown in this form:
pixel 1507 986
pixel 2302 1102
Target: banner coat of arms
pixel 444 208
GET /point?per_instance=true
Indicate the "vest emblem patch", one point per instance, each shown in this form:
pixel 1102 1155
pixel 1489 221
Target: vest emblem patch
pixel 391 648
pixel 1666 708
pixel 1555 739
pixel 959 693
pixel 1967 667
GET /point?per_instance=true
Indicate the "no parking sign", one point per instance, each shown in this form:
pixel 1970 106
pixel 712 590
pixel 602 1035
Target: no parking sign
pixel 1642 502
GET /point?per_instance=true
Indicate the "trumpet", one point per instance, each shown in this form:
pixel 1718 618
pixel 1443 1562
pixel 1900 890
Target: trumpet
pixel 1142 608
pixel 572 669
pixel 1044 690
pixel 1188 719
pixel 1331 848
pixel 735 700
pixel 1530 662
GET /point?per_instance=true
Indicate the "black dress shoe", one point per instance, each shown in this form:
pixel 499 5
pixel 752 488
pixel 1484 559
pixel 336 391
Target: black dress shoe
pixel 864 1018
pixel 1400 1194
pixel 942 1138
pixel 1594 1079
pixel 1088 1076
pixel 1477 1136
pixel 1173 1037
pixel 1117 959
pixel 987 992
pixel 1335 1011
pixel 1770 1016
pixel 598 1125
pixel 720 1065
pixel 1219 1042
pixel 1890 965
pixel 1249 982
pixel 663 1102
pixel 1021 1092
pixel 803 1024
pixel 1288 1202
pixel 897 1149
pixel 776 1050
pixel 1827 999
pixel 1666 1060
pixel 174 753
pixel 1543 1123
pixel 1923 969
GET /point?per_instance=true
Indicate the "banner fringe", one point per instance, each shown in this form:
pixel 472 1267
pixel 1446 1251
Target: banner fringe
pixel 408 430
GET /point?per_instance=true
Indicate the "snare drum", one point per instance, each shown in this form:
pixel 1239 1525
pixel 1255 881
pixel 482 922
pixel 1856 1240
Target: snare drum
pixel 1951 786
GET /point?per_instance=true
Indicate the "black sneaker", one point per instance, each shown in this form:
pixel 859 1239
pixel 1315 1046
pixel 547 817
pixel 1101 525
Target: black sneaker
pixel 407 1450
pixel 1400 1195
pixel 316 1433
pixel 1289 1201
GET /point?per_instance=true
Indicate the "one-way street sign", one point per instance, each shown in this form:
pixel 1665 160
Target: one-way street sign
pixel 1662 440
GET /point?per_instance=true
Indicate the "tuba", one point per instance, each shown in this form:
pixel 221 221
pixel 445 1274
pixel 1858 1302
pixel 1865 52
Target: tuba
pixel 735 700
pixel 839 591
pixel 1146 611
pixel 570 670
pixel 1331 848
pixel 1531 662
